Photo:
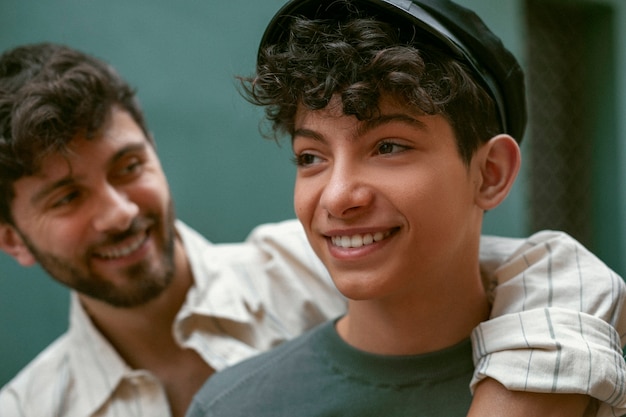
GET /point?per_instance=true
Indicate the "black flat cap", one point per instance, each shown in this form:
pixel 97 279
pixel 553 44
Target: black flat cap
pixel 446 23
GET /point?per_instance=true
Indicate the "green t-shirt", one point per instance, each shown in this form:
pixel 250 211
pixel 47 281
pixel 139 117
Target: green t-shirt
pixel 318 374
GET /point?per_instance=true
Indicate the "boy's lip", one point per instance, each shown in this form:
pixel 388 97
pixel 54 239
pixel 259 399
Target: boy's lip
pixel 358 237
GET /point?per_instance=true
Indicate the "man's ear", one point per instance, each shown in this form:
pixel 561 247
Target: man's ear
pixel 500 161
pixel 12 243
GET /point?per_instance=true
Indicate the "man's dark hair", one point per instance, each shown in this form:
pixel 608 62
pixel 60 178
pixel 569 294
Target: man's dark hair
pixel 359 59
pixel 48 94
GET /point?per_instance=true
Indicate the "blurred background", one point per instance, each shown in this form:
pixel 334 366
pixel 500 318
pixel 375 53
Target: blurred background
pixel 182 56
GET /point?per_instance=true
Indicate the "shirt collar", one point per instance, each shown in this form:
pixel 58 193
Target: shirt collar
pixel 97 365
pixel 217 290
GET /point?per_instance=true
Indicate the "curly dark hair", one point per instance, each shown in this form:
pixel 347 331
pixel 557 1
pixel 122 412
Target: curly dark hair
pixel 48 94
pixel 360 59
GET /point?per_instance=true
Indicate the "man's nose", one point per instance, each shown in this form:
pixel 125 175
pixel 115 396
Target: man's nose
pixel 114 210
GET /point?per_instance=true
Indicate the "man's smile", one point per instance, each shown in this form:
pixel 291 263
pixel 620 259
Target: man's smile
pixel 122 249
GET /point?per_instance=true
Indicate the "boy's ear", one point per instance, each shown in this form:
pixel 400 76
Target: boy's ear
pixel 500 161
pixel 12 243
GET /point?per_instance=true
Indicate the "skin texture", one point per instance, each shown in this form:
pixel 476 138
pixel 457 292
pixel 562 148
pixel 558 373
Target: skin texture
pixel 492 399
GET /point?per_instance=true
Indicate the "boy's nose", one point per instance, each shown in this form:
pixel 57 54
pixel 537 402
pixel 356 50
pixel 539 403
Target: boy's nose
pixel 345 193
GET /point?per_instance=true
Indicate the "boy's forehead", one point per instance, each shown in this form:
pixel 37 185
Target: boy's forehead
pixel 332 122
pixel 387 105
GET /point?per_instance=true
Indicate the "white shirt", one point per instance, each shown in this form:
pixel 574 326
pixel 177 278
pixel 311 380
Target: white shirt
pixel 251 296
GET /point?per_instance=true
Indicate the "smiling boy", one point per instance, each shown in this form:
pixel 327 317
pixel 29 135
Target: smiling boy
pixel 398 177
pixel 403 137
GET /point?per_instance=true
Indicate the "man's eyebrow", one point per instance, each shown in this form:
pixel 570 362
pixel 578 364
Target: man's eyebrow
pixel 49 188
pixel 68 180
pixel 133 147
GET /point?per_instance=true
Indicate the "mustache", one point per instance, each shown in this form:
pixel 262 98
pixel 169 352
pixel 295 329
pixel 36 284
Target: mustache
pixel 136 226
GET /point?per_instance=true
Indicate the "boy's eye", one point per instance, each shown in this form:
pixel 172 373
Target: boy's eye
pixel 390 147
pixel 305 159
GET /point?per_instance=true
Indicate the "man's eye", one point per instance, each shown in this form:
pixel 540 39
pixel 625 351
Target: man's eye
pixel 65 199
pixel 131 167
pixel 306 159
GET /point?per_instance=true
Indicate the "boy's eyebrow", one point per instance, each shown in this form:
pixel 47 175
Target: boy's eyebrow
pixel 371 124
pixel 308 133
pixel 49 188
pixel 366 125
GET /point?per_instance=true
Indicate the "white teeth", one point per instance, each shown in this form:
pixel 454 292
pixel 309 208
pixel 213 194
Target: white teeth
pixel 118 252
pixel 356 241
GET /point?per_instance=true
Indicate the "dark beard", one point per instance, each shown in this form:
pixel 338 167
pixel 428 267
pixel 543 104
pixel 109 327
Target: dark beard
pixel 146 284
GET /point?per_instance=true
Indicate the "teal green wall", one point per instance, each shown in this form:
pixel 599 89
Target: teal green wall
pixel 605 82
pixel 605 54
pixel 506 19
pixel 606 130
pixel 181 56
pixel 610 120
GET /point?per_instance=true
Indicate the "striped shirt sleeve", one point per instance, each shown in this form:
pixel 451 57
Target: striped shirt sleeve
pixel 557 324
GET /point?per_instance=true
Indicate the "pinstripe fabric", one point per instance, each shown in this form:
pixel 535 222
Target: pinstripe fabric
pixel 565 332
pixel 250 297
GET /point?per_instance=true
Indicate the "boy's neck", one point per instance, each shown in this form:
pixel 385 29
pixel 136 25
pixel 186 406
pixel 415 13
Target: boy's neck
pixel 415 325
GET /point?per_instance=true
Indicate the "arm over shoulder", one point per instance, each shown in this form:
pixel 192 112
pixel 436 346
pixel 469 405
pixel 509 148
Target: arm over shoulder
pixel 558 321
